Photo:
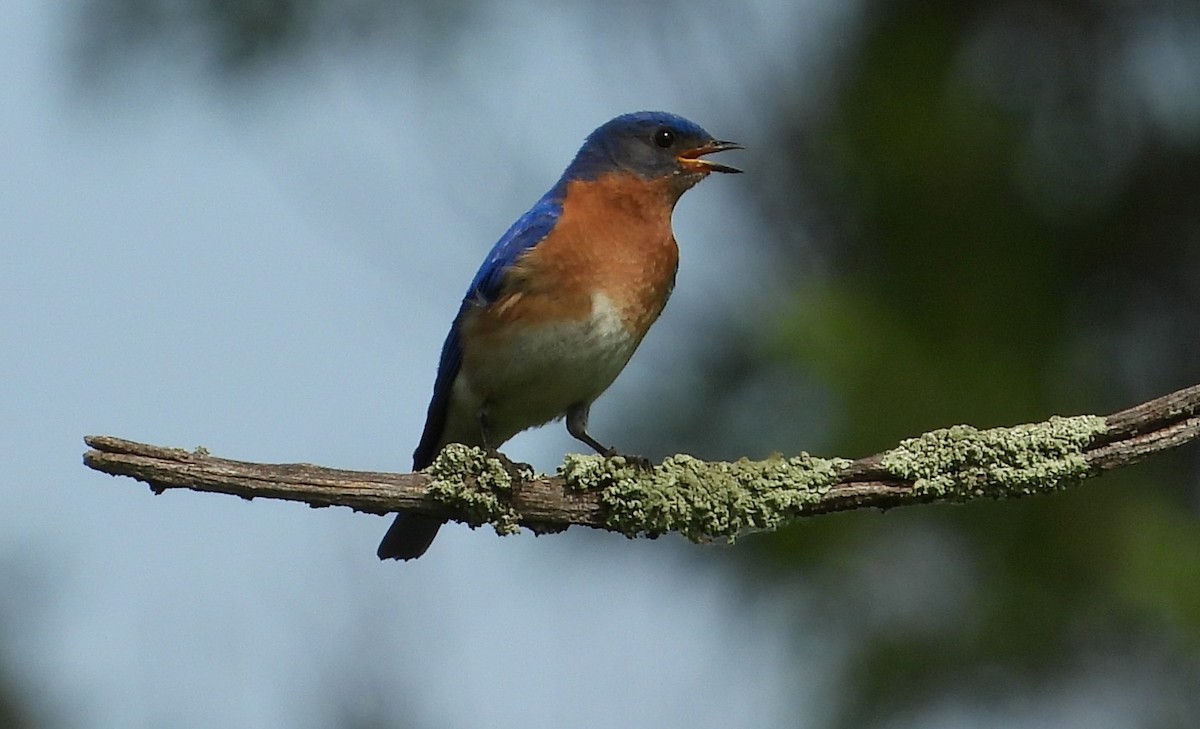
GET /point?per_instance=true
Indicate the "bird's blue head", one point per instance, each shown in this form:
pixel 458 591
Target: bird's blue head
pixel 651 145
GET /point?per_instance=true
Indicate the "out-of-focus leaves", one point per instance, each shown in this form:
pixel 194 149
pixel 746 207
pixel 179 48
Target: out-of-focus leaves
pixel 1014 239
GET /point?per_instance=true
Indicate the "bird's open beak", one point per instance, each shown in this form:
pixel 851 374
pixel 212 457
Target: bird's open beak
pixel 692 159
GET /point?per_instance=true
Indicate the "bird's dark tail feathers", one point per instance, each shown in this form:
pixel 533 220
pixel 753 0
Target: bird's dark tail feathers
pixel 409 536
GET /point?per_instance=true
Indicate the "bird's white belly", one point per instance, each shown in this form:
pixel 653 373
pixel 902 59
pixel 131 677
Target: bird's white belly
pixel 535 373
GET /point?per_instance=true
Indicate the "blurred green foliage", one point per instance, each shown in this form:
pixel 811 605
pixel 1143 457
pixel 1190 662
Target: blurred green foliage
pixel 971 288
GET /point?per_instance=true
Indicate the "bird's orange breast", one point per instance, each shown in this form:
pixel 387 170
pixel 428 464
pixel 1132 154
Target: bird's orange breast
pixel 613 238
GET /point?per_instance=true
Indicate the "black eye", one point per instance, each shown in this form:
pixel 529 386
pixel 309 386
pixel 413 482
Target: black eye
pixel 664 137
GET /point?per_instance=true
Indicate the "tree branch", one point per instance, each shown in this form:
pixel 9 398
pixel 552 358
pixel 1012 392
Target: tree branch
pixel 702 500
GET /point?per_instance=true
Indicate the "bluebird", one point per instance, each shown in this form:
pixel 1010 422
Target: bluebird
pixel 564 297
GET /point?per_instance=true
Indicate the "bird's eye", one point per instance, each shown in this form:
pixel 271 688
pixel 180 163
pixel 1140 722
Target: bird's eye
pixel 664 137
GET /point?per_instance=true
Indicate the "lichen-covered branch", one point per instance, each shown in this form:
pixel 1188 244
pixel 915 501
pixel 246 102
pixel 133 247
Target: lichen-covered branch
pixel 701 500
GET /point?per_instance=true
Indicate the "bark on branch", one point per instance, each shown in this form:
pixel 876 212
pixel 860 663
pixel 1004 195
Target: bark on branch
pixel 702 500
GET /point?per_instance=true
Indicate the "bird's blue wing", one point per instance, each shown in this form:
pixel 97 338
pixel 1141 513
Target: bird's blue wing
pixel 529 229
pixel 524 234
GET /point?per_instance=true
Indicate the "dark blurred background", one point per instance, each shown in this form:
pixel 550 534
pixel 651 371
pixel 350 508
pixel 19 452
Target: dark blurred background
pixel 980 212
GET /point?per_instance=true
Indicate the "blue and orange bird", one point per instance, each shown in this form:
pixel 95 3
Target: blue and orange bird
pixel 564 297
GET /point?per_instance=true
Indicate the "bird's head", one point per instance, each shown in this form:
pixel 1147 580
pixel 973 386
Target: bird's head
pixel 652 145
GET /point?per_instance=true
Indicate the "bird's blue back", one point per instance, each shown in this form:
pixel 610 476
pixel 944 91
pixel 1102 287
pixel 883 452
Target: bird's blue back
pixel 529 229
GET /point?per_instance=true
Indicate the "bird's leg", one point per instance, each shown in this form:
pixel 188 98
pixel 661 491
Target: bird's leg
pixel 485 434
pixel 517 470
pixel 577 420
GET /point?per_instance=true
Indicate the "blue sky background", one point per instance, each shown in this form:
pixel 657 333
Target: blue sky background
pixel 267 269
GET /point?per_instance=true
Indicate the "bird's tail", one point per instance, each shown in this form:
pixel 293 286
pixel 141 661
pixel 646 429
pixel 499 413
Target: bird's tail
pixel 409 536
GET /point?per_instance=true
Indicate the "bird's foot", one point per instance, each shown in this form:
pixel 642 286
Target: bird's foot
pixel 636 461
pixel 516 470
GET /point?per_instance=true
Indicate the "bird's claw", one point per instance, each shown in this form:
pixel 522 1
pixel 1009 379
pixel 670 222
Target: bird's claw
pixel 516 470
pixel 636 461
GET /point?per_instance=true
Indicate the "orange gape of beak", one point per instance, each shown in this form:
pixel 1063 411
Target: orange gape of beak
pixel 693 158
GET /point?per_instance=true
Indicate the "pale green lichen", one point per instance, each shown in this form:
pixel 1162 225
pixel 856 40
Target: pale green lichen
pixel 701 500
pixel 475 484
pixel 963 462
